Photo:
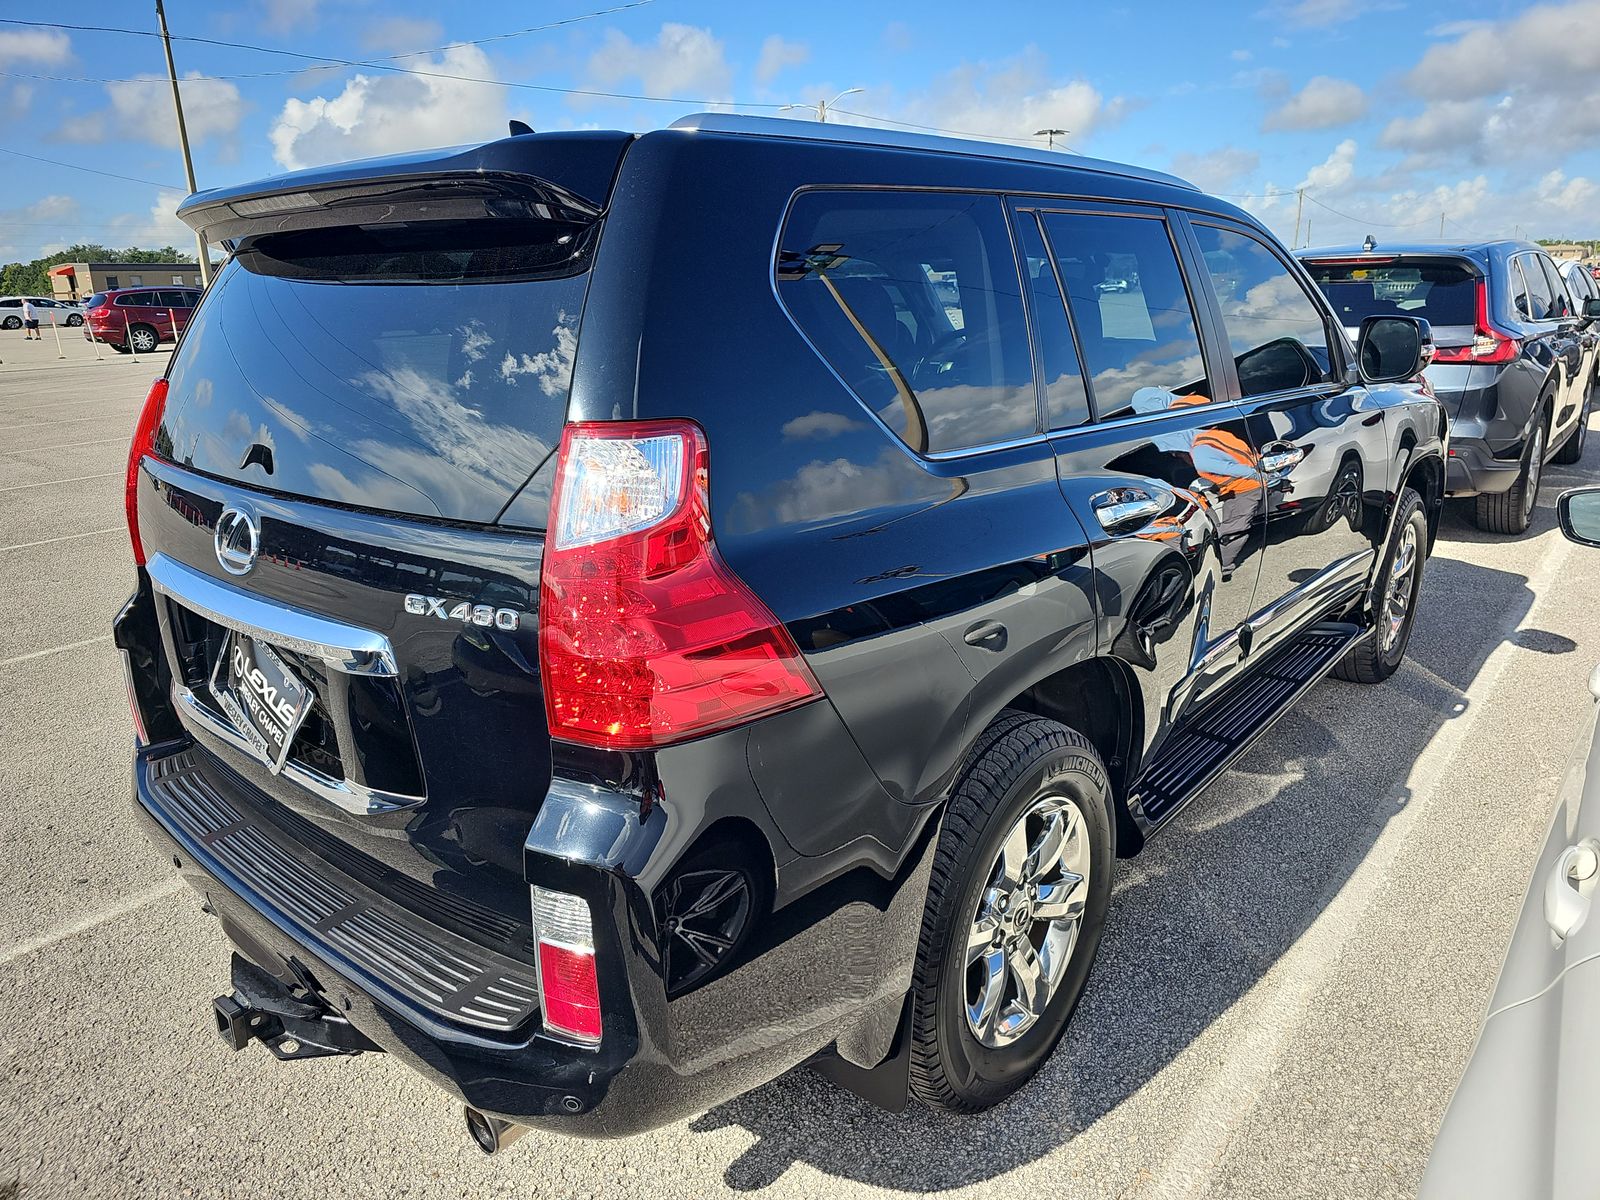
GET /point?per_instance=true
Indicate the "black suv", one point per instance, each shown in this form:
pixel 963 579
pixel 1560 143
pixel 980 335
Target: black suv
pixel 1514 364
pixel 622 616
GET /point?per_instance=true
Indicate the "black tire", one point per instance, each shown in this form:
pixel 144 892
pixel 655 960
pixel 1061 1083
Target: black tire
pixel 1572 449
pixel 1021 763
pixel 11 323
pixel 74 320
pixel 139 335
pixel 1376 657
pixel 119 349
pixel 1510 511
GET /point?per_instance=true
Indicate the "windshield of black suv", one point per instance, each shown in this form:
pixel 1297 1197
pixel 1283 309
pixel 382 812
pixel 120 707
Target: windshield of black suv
pixel 417 369
pixel 1441 291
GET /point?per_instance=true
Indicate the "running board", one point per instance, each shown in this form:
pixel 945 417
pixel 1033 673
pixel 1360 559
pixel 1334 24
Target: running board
pixel 1208 741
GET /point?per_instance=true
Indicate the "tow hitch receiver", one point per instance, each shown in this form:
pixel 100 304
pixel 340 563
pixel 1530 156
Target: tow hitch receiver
pixel 263 1008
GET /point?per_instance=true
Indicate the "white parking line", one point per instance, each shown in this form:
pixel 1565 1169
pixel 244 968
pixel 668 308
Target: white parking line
pixel 72 445
pixel 121 908
pixel 17 487
pixel 65 537
pixel 69 421
pixel 6 662
pixel 1289 989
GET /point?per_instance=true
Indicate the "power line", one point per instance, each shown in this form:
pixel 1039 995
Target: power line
pixel 1363 220
pixel 91 170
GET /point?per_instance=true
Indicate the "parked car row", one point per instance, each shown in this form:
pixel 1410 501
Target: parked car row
pixel 137 320
pixel 529 703
pixel 46 311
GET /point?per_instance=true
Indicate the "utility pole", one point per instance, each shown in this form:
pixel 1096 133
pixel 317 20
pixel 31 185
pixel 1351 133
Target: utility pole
pixel 1441 226
pixel 1050 136
pixel 183 139
pixel 1299 204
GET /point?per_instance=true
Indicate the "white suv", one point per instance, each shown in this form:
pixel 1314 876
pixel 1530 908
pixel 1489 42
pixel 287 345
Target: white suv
pixel 64 312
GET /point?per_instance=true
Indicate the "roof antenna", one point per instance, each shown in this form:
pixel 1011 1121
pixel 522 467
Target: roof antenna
pixel 1369 245
pixel 520 127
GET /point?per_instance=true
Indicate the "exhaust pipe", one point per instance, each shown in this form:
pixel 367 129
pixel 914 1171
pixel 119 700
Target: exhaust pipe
pixel 491 1133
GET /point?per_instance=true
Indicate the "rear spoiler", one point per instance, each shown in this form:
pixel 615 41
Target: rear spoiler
pixel 562 177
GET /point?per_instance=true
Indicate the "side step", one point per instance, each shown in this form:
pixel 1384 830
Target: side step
pixel 1202 747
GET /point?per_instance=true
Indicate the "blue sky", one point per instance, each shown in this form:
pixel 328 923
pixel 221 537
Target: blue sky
pixel 1389 113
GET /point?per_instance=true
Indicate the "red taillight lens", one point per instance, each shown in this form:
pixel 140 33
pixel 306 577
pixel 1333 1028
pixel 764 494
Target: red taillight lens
pixel 569 987
pixel 645 636
pixel 1489 345
pixel 144 443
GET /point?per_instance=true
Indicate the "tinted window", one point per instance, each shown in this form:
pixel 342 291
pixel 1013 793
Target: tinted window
pixel 436 387
pixel 1441 291
pixel 1535 301
pixel 1136 327
pixel 1559 307
pixel 111 281
pixel 914 299
pixel 95 301
pixel 1277 334
pixel 10 303
pixel 1066 400
pixel 174 299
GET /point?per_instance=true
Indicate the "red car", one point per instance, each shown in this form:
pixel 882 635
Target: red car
pixel 141 317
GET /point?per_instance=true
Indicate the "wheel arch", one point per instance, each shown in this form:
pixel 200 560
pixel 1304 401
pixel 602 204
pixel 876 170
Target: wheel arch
pixel 1076 696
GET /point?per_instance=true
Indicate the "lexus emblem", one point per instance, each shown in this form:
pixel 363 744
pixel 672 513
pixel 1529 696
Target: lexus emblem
pixel 237 541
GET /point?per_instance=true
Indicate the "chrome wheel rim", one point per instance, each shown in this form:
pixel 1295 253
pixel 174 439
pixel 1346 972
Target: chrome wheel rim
pixel 1400 586
pixel 1535 469
pixel 1027 919
pixel 143 341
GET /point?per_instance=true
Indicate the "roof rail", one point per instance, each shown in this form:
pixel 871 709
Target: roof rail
pixel 866 135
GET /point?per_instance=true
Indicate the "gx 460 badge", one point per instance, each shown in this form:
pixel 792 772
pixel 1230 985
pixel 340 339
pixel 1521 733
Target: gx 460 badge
pixel 460 610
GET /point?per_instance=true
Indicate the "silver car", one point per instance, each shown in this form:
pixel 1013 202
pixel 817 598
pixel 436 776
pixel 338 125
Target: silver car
pixel 1523 1121
pixel 45 309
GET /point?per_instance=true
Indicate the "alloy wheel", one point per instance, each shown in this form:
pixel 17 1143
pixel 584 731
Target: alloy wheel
pixel 1401 586
pixel 1530 490
pixel 143 340
pixel 1027 920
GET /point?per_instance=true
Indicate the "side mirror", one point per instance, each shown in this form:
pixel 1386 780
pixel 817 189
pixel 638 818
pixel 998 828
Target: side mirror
pixel 1591 309
pixel 1579 512
pixel 1393 349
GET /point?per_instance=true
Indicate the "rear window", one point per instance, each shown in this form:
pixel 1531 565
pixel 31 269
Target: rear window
pixel 1442 291
pixel 95 301
pixel 420 369
pixel 915 300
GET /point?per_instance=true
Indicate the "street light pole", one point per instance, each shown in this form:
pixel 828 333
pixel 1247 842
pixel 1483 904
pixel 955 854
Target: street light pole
pixel 1050 136
pixel 821 106
pixel 183 138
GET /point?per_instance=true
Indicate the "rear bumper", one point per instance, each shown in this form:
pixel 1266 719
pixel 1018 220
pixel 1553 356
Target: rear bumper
pixel 109 337
pixel 830 972
pixel 1473 468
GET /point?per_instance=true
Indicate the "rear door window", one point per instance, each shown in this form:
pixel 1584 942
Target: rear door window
pixel 914 299
pixel 1131 308
pixel 1277 334
pixel 1559 305
pixel 1537 300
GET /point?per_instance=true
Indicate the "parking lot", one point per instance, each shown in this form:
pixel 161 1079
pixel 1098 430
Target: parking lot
pixel 1288 989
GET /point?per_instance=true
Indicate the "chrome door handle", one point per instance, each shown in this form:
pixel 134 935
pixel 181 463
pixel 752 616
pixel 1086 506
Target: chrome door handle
pixel 1119 508
pixel 1280 457
pixel 1565 907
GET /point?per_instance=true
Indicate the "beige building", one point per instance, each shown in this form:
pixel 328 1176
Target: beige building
pixel 1567 251
pixel 78 281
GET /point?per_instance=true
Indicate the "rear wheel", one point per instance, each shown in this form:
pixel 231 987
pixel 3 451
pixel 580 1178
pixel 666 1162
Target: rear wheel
pixel 1511 510
pixel 1394 602
pixel 1016 905
pixel 1572 449
pixel 74 320
pixel 143 338
pixel 12 323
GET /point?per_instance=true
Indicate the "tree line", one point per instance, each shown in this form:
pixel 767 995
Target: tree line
pixel 33 278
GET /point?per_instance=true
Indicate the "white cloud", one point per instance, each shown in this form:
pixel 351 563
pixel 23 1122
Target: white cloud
pixel 1575 195
pixel 155 227
pixel 1008 100
pixel 1334 171
pixel 777 54
pixel 387 114
pixel 45 47
pixel 401 34
pixel 141 111
pixel 1324 102
pixel 684 61
pixel 1241 56
pixel 288 16
pixel 1219 170
pixel 1549 48
pixel 1323 14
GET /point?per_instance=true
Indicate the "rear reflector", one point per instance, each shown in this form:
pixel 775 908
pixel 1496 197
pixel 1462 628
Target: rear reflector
pixel 645 635
pixel 144 443
pixel 569 987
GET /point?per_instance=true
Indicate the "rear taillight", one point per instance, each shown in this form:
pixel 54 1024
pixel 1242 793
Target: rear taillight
pixel 569 988
pixel 144 443
pixel 1489 345
pixel 645 636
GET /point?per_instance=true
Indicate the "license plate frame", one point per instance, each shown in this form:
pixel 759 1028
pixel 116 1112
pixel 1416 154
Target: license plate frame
pixel 262 697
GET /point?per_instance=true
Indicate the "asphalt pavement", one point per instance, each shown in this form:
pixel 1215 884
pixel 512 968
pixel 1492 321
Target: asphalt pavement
pixel 1289 987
